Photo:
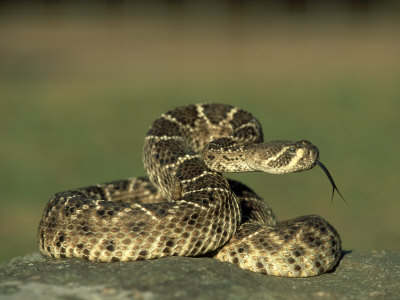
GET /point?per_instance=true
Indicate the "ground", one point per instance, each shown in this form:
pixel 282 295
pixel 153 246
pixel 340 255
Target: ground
pixel 360 275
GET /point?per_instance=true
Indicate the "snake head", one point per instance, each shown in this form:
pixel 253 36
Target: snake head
pixel 282 157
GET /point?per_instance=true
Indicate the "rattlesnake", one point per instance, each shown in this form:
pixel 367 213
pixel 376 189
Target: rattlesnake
pixel 187 208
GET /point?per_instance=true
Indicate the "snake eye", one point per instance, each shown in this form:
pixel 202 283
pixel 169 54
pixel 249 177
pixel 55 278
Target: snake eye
pixel 292 149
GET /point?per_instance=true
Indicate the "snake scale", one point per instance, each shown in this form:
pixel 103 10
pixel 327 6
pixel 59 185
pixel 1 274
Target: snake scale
pixel 186 207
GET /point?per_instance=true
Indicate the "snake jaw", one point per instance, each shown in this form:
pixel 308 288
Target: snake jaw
pixel 334 187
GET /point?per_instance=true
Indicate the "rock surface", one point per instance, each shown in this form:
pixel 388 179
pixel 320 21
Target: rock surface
pixel 360 275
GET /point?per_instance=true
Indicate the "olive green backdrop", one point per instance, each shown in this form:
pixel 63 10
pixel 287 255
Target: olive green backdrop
pixel 80 86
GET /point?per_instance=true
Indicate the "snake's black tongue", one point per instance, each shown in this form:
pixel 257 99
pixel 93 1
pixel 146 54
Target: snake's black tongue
pixel 334 187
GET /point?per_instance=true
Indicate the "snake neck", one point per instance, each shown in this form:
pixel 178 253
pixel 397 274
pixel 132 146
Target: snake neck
pixel 227 158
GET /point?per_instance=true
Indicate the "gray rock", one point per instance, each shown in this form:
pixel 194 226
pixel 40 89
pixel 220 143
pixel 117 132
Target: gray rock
pixel 360 275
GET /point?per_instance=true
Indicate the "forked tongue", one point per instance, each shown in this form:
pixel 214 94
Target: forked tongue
pixel 334 187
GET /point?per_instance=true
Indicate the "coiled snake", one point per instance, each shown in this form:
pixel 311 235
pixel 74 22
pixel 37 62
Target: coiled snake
pixel 186 207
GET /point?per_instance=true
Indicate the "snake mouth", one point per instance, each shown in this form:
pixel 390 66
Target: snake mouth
pixel 334 187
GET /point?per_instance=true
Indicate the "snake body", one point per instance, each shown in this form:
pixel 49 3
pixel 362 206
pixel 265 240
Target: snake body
pixel 186 207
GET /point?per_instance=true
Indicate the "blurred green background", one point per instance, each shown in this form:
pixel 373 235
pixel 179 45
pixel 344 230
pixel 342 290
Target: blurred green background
pixel 80 85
